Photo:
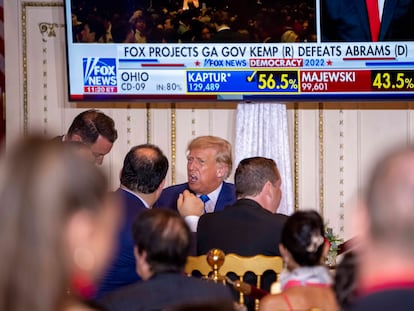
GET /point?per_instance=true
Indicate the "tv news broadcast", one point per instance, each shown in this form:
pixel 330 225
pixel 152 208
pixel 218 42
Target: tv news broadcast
pixel 239 50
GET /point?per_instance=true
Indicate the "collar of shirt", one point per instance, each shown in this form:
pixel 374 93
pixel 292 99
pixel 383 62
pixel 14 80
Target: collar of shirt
pixel 134 194
pixel 380 8
pixel 210 205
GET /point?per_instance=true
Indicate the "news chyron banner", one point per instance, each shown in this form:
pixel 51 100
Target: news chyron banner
pixel 246 71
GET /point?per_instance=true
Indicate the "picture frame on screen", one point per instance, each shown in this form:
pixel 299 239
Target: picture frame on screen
pixel 207 50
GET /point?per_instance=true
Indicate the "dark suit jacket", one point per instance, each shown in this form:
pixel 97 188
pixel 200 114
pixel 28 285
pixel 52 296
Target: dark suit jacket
pixel 401 299
pixel 347 20
pixel 122 270
pixel 244 228
pixel 165 290
pixel 169 196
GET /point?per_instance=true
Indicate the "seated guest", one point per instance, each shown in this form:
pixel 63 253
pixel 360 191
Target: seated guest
pixel 57 227
pixel 162 244
pixel 209 164
pixel 250 226
pixel 385 249
pixel 142 180
pixel 306 283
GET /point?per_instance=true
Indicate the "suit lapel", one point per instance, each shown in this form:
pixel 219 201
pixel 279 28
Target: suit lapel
pixel 387 15
pixel 225 198
pixel 361 9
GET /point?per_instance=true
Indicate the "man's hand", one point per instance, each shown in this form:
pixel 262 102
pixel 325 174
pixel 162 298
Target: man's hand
pixel 189 205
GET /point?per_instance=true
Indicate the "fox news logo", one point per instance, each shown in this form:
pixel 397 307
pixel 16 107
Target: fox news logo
pixel 99 71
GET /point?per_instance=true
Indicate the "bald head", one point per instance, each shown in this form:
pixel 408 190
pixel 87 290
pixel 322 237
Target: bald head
pixel 390 201
pixel 145 167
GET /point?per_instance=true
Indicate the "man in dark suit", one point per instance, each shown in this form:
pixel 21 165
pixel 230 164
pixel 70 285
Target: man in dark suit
pixel 209 163
pixel 384 226
pixel 142 180
pixel 162 244
pixel 94 129
pixel 250 226
pixel 348 20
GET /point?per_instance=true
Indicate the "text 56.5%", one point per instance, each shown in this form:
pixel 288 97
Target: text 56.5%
pixel 274 81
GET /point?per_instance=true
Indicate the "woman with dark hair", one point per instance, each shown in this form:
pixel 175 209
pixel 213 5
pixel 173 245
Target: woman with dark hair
pixel 57 227
pixel 306 282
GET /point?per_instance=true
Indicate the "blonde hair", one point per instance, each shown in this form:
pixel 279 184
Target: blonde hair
pixel 222 147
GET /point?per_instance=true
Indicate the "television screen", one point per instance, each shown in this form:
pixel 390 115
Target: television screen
pixel 240 50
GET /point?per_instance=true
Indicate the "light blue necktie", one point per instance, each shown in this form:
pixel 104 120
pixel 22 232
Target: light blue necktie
pixel 204 198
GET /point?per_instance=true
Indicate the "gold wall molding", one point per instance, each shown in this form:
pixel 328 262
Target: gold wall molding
pixel 341 173
pixel 24 7
pixel 148 110
pixel 173 144
pixel 296 155
pixel 49 29
pixel 321 162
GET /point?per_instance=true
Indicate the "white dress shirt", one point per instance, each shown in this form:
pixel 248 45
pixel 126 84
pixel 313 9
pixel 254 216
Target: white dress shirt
pixel 209 206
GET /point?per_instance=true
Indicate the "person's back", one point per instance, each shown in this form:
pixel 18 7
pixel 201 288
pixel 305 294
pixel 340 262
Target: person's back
pixel 385 223
pixel 162 244
pixel 244 228
pixel 250 226
pixel 302 298
pixel 142 179
pixel 164 291
pixel 306 283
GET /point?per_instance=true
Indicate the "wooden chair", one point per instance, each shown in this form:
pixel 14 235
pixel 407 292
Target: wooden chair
pixel 258 265
pixel 239 265
pixel 208 265
pixel 197 263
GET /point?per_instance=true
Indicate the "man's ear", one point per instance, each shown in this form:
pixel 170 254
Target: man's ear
pixel 283 251
pixel 139 255
pixel 76 137
pixel 136 253
pixel 159 189
pixel 268 191
pixel 222 170
pixel 359 223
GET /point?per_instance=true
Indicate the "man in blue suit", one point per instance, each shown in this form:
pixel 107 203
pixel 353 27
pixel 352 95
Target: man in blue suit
pixel 347 20
pixel 209 163
pixel 142 180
